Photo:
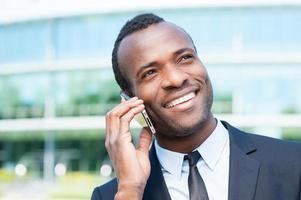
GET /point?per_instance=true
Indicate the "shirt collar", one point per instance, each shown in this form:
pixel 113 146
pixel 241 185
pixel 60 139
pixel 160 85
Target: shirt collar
pixel 211 150
pixel 170 161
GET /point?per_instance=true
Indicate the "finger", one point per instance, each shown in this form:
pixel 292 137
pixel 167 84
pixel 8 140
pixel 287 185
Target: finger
pixel 125 106
pixel 113 117
pixel 113 121
pixel 128 117
pixel 145 140
pixel 110 127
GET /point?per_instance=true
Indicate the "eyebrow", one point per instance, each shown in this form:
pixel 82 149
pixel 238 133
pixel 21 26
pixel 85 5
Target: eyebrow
pixel 180 51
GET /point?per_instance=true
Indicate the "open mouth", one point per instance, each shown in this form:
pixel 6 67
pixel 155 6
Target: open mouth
pixel 181 100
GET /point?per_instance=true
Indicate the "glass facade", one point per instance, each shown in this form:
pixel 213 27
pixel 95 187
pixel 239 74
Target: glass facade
pixel 214 30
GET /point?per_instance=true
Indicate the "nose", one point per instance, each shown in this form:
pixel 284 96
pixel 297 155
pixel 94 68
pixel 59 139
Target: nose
pixel 173 78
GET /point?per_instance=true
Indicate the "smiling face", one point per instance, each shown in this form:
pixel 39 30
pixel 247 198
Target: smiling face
pixel 164 70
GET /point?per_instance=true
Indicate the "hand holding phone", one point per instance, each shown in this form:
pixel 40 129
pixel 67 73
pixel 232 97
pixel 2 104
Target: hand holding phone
pixel 142 118
pixel 131 162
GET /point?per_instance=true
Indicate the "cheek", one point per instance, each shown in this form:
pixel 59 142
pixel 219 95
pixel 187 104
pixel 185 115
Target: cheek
pixel 148 92
pixel 198 73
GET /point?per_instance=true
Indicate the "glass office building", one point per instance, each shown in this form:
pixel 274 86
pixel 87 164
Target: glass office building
pixel 59 67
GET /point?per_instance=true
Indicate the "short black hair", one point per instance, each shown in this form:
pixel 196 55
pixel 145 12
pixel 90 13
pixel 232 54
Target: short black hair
pixel 139 22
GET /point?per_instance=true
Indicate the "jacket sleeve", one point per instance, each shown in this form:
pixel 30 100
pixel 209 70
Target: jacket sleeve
pixel 96 195
pixel 106 191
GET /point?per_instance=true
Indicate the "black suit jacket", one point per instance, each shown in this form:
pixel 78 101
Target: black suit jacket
pixel 261 168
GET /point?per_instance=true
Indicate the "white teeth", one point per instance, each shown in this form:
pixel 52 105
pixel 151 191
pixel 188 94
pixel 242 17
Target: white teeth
pixel 180 100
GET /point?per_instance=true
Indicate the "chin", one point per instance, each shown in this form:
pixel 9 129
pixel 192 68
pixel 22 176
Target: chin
pixel 186 130
pixel 183 128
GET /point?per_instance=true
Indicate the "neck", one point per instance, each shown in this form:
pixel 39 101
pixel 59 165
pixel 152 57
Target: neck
pixel 188 143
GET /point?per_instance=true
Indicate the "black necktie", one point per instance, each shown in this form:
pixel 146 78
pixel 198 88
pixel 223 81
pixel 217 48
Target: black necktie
pixel 196 185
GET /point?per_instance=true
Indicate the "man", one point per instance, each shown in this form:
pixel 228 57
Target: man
pixel 156 63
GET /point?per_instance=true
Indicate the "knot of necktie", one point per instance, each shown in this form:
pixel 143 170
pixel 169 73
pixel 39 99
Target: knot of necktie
pixel 193 158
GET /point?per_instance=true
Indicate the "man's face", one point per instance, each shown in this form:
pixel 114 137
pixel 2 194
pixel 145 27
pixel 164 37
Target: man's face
pixel 164 70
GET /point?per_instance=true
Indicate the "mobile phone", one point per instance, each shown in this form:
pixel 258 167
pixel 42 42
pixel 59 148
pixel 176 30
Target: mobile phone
pixel 142 118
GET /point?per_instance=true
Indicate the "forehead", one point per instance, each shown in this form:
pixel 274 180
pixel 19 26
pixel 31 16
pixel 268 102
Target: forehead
pixel 151 44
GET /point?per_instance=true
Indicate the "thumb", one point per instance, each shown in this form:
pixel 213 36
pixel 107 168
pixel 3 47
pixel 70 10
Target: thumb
pixel 145 140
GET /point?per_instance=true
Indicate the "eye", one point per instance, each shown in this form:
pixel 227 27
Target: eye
pixel 148 73
pixel 186 57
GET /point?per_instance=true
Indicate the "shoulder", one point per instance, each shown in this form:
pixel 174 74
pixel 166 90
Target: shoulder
pixel 274 145
pixel 276 148
pixel 106 191
pixel 266 147
pixel 268 141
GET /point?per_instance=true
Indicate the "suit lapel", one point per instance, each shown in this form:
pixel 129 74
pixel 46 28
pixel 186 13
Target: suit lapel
pixel 155 187
pixel 243 169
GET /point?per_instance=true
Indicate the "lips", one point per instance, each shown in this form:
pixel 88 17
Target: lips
pixel 180 100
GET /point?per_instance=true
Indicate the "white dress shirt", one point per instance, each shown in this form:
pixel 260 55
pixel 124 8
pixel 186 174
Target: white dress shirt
pixel 214 167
